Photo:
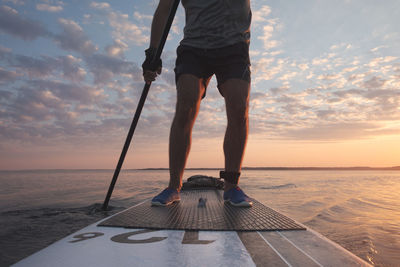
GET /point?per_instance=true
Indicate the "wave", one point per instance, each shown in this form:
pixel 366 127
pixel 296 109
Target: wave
pixel 281 186
pixel 24 232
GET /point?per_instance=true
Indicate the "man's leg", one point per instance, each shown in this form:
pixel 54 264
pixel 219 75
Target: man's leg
pixel 190 90
pixel 236 93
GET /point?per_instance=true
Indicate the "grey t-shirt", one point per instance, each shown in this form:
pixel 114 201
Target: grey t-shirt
pixel 216 23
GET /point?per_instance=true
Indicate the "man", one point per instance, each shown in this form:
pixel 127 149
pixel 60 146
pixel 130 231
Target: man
pixel 216 41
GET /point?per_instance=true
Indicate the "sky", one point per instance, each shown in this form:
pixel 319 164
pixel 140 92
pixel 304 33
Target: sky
pixel 325 86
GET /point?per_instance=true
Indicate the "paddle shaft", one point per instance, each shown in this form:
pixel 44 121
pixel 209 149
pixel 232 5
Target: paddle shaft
pixel 140 104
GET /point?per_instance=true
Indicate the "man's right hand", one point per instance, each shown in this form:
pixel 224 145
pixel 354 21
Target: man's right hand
pixel 150 71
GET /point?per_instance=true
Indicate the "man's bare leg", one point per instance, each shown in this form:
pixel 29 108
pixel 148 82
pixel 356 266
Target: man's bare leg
pixel 236 93
pixel 190 89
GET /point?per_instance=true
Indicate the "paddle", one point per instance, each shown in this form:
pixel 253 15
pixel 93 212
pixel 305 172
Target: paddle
pixel 141 104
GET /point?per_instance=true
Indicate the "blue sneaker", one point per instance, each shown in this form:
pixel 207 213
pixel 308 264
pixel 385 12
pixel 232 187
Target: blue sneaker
pixel 166 197
pixel 237 197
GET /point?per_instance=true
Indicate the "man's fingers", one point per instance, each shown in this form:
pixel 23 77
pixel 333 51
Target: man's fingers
pixel 149 76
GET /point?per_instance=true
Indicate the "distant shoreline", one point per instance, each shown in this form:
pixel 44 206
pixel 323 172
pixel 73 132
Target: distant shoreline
pixel 394 168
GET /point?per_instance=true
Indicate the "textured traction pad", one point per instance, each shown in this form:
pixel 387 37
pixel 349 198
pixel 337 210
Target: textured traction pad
pixel 215 215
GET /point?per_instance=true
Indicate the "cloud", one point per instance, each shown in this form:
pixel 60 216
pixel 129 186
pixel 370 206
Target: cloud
pixel 42 108
pixel 264 27
pixel 126 30
pixel 375 49
pixel 49 8
pixel 364 107
pixel 16 2
pixel 380 60
pixel 340 46
pixel 45 108
pixel 5 95
pixel 325 114
pixel 288 76
pixel 329 77
pixel 140 16
pixel 7 76
pixel 4 51
pixel 354 114
pixel 104 68
pixel 335 131
pixel 349 96
pixel 123 29
pixel 46 112
pixel 69 91
pixel 374 82
pixel 71 68
pixel 73 38
pixel 33 105
pixel 320 61
pixel 257 99
pixel 101 6
pixel 117 49
pixel 34 68
pixel 12 23
pixel 266 37
pixel 266 68
pixel 303 66
pixel 260 14
pixel 349 69
pixel 279 90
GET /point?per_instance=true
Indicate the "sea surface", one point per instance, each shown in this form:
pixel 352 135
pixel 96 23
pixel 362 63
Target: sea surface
pixel 360 210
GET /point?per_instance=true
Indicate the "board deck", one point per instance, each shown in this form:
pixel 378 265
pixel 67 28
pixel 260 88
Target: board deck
pixel 100 246
pixel 211 214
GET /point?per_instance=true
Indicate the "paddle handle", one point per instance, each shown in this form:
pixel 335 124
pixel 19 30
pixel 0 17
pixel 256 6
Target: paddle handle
pixel 139 108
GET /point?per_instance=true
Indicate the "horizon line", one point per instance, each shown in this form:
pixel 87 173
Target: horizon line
pixel 215 168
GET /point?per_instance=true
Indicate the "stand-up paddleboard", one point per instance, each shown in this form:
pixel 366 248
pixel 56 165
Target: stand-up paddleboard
pixel 200 230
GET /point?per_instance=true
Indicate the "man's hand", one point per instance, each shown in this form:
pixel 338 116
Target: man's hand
pixel 150 71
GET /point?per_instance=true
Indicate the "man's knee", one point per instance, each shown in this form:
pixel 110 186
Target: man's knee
pixel 238 116
pixel 186 111
pixel 237 102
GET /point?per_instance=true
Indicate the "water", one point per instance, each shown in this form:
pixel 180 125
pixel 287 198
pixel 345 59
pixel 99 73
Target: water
pixel 360 210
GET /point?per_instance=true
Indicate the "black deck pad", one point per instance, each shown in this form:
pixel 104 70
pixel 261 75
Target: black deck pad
pixel 214 214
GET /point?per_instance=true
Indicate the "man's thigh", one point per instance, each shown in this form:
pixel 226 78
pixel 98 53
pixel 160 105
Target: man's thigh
pixel 190 88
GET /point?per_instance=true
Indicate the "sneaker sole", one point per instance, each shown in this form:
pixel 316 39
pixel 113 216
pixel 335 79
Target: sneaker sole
pixel 159 204
pixel 243 204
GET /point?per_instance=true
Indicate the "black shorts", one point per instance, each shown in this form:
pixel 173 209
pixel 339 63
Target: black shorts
pixel 230 62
